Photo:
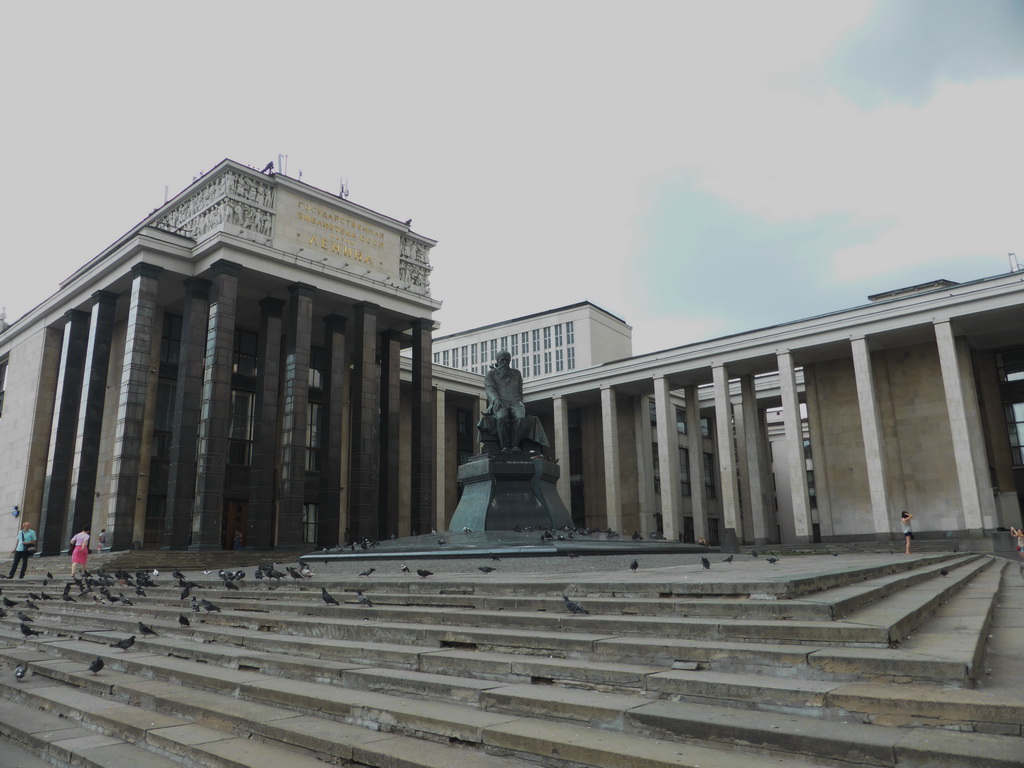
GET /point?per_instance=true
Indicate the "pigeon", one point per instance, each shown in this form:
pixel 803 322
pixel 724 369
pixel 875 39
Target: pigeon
pixel 183 620
pixel 49 576
pixel 706 563
pixel 487 569
pixel 293 573
pixel 194 604
pixel 753 553
pixel 140 592
pixel 944 572
pixel 325 595
pixel 8 603
pixel 573 607
pixel 178 575
pixel 68 598
pixel 125 644
pixel 45 596
pixel 405 569
pixel 27 631
pixel 96 666
pixel 259 574
pixel 19 672
pixel 773 559
pixel 143 629
pixel 208 606
pixel 363 599
pixel 423 574
pixel 367 572
pixel 728 559
pixel 633 566
pixel 305 571
pixel 230 585
pixel 23 616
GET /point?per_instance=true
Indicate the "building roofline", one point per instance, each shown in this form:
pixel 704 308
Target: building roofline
pixel 521 318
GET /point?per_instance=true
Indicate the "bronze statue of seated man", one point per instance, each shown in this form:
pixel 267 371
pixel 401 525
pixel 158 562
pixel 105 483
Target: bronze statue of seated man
pixel 506 421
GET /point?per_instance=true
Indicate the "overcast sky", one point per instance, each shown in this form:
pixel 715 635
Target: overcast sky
pixel 697 168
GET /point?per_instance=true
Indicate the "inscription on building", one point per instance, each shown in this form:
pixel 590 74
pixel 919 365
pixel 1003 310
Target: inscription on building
pixel 337 233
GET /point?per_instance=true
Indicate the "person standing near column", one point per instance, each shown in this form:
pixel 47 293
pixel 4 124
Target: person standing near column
pixel 24 548
pixel 79 550
pixel 908 535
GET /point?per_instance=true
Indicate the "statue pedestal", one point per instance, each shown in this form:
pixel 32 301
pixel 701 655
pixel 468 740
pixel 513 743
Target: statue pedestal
pixel 500 491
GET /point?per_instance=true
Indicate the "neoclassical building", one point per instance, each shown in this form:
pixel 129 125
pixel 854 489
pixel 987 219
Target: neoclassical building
pixel 257 356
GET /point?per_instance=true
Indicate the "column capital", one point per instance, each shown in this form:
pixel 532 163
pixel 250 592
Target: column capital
pixel 199 286
pixel 225 267
pixel 301 289
pixel 273 307
pixel 104 297
pixel 142 269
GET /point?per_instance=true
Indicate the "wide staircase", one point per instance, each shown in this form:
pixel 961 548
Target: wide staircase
pixel 859 660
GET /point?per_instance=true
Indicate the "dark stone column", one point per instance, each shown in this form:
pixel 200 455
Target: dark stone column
pixel 131 406
pixel 329 529
pixel 90 414
pixel 363 493
pixel 262 476
pixel 215 409
pixel 390 392
pixel 298 340
pixel 188 394
pixel 63 428
pixel 423 430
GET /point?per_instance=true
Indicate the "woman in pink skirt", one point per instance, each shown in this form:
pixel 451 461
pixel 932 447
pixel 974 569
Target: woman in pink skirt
pixel 79 550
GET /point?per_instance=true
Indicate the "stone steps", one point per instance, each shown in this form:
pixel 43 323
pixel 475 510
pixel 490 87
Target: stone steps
pixel 550 689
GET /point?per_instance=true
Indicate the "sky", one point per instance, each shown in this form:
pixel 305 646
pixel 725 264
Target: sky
pixel 696 168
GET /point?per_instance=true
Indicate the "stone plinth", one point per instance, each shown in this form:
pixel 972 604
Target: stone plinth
pixel 502 491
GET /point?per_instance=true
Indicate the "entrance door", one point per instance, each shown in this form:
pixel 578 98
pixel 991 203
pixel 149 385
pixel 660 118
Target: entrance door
pixel 236 518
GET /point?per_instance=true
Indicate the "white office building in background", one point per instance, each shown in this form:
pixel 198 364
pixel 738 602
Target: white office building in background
pixel 542 344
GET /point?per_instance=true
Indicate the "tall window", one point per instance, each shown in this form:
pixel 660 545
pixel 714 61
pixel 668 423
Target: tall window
pixel 317 367
pixel 465 357
pixel 558 335
pixel 535 335
pixel 240 428
pixel 310 518
pixel 1015 427
pixel 1010 365
pixel 3 384
pixel 705 427
pixel 710 488
pixel 570 333
pixel 559 360
pixel 483 353
pixel 170 339
pixel 244 363
pixel 656 473
pixel 163 421
pixel 547 337
pixel 684 470
pixel 314 442
pixel 570 358
pixel 437 358
pixel 536 363
pixel 494 348
pixel 547 362
pixel 504 343
pixel 526 342
pixel 514 351
pixel 680 421
pixel 472 356
pixel 444 357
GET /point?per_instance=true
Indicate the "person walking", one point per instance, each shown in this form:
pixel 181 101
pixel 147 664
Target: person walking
pixel 79 550
pixel 1018 534
pixel 908 535
pixel 24 548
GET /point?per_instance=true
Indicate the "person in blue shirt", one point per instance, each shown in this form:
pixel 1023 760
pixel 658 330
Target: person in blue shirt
pixel 24 548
